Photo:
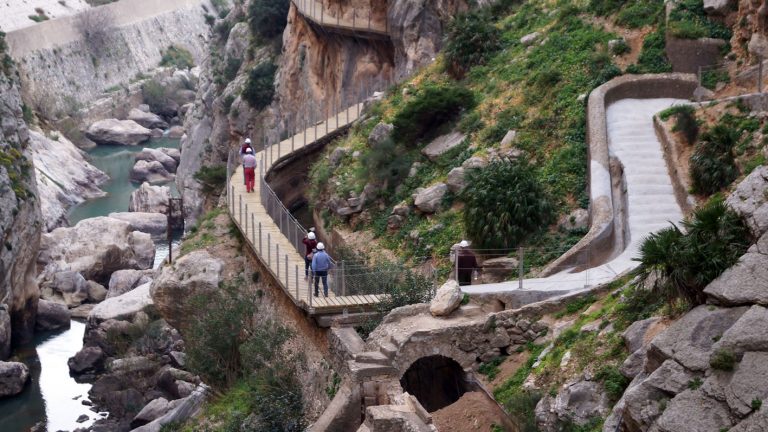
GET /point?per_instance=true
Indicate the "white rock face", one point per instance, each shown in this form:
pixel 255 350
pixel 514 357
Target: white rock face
pixel 64 177
pixel 155 224
pixel 15 14
pixel 126 305
pixel 96 248
pixel 151 172
pixel 442 145
pixel 150 199
pixel 118 132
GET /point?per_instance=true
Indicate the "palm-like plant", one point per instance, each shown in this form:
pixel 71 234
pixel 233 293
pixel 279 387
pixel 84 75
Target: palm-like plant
pixel 680 263
pixel 504 204
pixel 712 163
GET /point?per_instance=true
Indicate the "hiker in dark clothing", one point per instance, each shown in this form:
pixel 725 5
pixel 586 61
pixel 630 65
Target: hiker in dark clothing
pixel 466 263
pixel 310 242
pixel 321 263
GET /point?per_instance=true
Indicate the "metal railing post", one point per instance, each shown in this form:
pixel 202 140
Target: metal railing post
pixel 253 231
pixel 456 266
pixel 240 201
pixel 287 286
pixel 277 260
pixel 305 133
pixel 261 249
pixel 246 220
pixel 269 250
pixel 520 268
pixel 343 281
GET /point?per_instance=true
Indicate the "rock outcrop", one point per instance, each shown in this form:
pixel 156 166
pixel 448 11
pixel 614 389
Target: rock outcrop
pixel 155 224
pixel 64 177
pixel 147 119
pixel 20 218
pixel 447 298
pixel 150 172
pixel 51 316
pixel 163 155
pixel 118 132
pixel 123 281
pixel 193 274
pixel 150 199
pixel 95 248
pixel 750 200
pixel 13 377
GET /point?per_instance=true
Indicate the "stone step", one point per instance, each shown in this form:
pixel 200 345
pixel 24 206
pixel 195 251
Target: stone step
pixel 373 357
pixel 366 370
pixel 388 349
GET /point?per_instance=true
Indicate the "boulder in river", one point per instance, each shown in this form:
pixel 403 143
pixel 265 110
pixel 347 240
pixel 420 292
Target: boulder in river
pixel 13 377
pixel 152 172
pixel 51 316
pixel 118 132
pixel 172 152
pixel 147 119
pixel 95 248
pixel 88 360
pixel 151 155
pixel 123 281
pixel 67 287
pixel 150 199
pixel 155 224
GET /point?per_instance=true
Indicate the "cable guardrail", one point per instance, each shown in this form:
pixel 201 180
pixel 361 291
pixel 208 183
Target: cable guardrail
pixel 360 21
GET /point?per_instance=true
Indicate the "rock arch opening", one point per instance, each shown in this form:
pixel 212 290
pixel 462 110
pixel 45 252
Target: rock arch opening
pixel 436 381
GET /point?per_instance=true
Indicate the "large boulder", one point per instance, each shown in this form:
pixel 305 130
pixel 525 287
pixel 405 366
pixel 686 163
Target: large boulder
pixel 690 340
pixel 428 200
pixel 151 155
pixel 13 377
pixel 118 132
pixel 576 220
pixel 96 292
pixel 718 7
pixel 380 134
pixel 746 282
pixel 748 383
pixel 147 119
pixel 637 334
pixel 95 248
pixel 577 403
pixel 121 308
pixel 173 153
pixel 155 224
pixel 694 411
pixel 90 359
pixel 190 275
pixel 455 180
pixel 500 269
pixel 150 199
pixel 747 334
pixel 151 172
pixel 442 145
pixel 5 332
pixel 447 299
pixel 51 316
pixel 123 281
pixel 751 201
pixel 67 287
pixel 154 409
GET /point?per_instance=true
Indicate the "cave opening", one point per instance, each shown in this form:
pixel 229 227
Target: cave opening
pixel 436 381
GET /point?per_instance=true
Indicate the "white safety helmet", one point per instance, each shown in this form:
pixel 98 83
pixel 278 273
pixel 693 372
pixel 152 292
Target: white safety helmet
pixel 311 235
pixel 249 150
pixel 247 140
pixel 464 243
pixel 311 229
pixel 320 246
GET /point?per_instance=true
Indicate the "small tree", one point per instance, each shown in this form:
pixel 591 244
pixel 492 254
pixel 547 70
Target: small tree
pixel 260 87
pixel 712 163
pixel 95 25
pixel 432 107
pixel 504 204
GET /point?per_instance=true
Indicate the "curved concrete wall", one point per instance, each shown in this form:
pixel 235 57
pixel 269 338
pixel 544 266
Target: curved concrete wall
pixel 605 239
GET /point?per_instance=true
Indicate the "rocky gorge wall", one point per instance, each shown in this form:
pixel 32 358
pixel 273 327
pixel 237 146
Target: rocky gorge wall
pixel 55 55
pixel 20 219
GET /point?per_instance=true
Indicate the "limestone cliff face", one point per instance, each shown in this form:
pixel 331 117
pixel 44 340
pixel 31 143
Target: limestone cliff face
pixel 320 71
pixel 20 218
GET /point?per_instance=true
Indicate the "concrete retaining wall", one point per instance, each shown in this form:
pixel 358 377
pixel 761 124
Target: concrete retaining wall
pixel 604 239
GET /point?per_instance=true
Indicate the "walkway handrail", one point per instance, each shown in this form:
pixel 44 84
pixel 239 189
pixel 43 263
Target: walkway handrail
pixel 315 11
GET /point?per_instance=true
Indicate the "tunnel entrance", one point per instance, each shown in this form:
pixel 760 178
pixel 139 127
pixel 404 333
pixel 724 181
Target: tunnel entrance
pixel 436 381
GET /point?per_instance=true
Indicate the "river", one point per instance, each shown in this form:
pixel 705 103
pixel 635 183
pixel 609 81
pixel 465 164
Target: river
pixel 52 397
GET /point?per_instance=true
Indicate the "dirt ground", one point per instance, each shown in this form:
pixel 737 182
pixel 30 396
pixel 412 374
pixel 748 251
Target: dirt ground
pixel 474 411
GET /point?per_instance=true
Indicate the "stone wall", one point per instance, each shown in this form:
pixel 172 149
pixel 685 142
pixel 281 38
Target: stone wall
pixel 54 55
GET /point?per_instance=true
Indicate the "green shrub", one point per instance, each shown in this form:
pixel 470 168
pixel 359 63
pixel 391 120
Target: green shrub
pixel 260 86
pixel 471 39
pixel 620 48
pixel 640 13
pixel 685 121
pixel 723 360
pixel 268 18
pixel 230 70
pixel 387 164
pixel 212 178
pixel 504 204
pixel 178 57
pixel 509 119
pixel 689 21
pixel 710 78
pixel 756 404
pixel 613 380
pixel 653 58
pixel 604 7
pixel 491 368
pixel 695 383
pixel 155 95
pixel 712 164
pixel 681 264
pixel 433 106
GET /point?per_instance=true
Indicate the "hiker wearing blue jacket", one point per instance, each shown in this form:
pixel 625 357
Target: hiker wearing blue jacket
pixel 321 263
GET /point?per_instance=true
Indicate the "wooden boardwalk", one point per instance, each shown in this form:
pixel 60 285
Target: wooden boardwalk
pixel 276 250
pixel 360 24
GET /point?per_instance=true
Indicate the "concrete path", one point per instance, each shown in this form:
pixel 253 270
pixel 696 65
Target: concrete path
pixel 14 14
pixel 650 196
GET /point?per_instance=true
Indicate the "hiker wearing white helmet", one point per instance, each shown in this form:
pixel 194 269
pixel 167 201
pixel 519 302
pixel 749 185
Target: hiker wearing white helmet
pixel 466 263
pixel 321 263
pixel 246 145
pixel 310 242
pixel 249 170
